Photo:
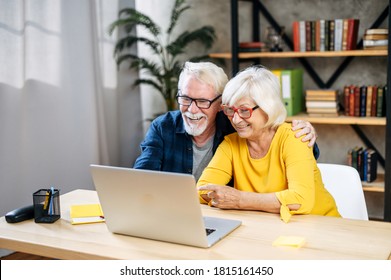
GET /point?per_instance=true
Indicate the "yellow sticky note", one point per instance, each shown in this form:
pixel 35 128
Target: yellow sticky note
pixel 291 241
pixel 86 213
pixel 285 213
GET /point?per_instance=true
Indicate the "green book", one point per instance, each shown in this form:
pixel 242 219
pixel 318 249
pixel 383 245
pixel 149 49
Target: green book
pixel 380 102
pixel 292 90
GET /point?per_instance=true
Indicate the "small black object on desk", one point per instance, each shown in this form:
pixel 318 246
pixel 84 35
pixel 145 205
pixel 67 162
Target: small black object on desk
pixel 20 214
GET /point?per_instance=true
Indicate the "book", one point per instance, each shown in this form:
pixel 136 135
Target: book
pixel 353 27
pixel 375 37
pixel 317 35
pixel 346 92
pixel 322 110
pixel 357 100
pixel 321 104
pixel 345 34
pixel 352 101
pixel 360 163
pixel 363 101
pixel 322 35
pixel 313 35
pixel 292 90
pixel 374 101
pixel 380 102
pixel 376 31
pixel 369 101
pixel 321 98
pixel 371 165
pixel 296 36
pixel 251 45
pixel 385 47
pixel 355 152
pixel 308 34
pixel 326 36
pixel 321 93
pixel 302 36
pixel 331 35
pixel 371 43
pixel 338 34
pixel 86 214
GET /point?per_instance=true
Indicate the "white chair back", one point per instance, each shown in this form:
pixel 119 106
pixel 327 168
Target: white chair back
pixel 344 184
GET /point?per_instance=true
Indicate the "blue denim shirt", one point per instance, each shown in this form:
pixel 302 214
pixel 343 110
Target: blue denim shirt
pixel 167 146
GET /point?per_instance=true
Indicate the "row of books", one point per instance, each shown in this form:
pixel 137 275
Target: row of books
pixel 322 103
pixel 364 160
pixel 375 39
pixel 325 35
pixel 365 101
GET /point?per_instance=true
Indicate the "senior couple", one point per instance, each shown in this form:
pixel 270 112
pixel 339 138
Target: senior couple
pixel 232 136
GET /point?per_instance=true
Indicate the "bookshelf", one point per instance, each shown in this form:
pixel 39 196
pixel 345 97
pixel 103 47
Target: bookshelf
pixel 383 182
pixel 251 55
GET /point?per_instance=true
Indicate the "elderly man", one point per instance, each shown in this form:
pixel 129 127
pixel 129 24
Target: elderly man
pixel 185 140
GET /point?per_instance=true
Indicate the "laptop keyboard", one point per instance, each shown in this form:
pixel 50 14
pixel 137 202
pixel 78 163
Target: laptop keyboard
pixel 209 231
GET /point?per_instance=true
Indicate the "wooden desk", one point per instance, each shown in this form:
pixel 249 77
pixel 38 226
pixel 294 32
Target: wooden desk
pixel 326 238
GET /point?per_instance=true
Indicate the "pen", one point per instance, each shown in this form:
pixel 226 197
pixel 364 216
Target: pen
pixel 46 203
pixel 51 194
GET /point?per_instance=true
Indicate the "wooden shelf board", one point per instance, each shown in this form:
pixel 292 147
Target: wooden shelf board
pixel 375 186
pixel 301 54
pixel 339 120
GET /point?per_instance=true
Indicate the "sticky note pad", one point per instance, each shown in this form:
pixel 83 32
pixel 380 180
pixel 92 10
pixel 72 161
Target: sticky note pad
pixel 291 241
pixel 285 213
pixel 86 213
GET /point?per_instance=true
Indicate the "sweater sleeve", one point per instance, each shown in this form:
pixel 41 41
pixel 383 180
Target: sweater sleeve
pixel 299 164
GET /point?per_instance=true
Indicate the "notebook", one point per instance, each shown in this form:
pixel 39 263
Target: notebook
pixel 156 205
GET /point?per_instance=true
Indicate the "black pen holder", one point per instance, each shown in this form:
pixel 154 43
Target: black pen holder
pixel 46 205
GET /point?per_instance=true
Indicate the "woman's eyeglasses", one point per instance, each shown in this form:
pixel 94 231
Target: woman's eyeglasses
pixel 200 102
pixel 243 112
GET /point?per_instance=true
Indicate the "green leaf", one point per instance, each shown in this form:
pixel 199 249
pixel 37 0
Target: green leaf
pixel 176 13
pixel 204 35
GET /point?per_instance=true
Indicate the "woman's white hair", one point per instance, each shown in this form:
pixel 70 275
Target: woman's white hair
pixel 205 72
pixel 263 87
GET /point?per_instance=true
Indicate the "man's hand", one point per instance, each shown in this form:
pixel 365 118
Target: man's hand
pixel 305 128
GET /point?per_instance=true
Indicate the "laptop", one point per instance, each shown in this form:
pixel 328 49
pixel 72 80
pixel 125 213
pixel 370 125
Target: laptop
pixel 156 205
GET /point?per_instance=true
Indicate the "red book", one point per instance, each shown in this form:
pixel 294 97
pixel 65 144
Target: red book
pixel 353 25
pixel 296 36
pixel 352 101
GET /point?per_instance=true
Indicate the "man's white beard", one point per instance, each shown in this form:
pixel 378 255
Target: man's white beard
pixel 195 129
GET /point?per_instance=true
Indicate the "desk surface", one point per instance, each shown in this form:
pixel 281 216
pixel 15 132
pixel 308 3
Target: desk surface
pixel 326 238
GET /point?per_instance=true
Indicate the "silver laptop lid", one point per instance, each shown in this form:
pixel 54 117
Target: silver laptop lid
pixel 155 205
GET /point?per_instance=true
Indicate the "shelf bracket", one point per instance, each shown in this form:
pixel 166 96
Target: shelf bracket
pixel 368 143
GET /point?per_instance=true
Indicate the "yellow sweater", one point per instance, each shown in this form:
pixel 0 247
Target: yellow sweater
pixel 288 169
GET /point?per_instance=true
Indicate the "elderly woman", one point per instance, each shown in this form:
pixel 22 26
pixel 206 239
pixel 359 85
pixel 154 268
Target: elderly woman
pixel 272 171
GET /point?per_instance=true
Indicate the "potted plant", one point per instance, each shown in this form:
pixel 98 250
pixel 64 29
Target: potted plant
pixel 163 73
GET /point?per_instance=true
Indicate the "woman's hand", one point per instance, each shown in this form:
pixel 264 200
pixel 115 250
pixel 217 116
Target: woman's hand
pixel 223 197
pixel 305 128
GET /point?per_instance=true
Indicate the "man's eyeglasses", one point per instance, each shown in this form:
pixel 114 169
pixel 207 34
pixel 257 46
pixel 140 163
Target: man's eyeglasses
pixel 200 102
pixel 243 112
